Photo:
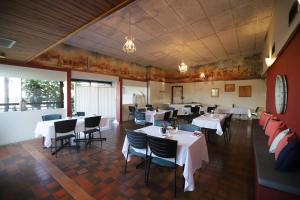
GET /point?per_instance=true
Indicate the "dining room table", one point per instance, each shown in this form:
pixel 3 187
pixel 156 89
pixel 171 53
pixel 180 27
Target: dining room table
pixel 210 121
pixel 235 111
pixel 191 151
pixel 46 128
pixel 151 116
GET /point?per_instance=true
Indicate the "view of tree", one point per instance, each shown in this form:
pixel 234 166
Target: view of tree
pixel 38 91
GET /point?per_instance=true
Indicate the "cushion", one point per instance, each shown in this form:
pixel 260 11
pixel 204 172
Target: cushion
pixel 285 140
pixel 272 126
pixel 264 118
pixel 289 157
pixel 274 135
pixel 277 140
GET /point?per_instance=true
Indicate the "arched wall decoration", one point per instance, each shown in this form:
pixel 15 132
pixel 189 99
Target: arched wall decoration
pixel 281 93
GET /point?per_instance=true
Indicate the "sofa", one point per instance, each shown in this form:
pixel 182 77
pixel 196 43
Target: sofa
pixel 270 183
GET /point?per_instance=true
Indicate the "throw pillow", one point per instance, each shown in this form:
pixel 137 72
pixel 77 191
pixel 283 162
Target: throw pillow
pixel 277 140
pixel 272 126
pixel 285 140
pixel 264 118
pixel 289 157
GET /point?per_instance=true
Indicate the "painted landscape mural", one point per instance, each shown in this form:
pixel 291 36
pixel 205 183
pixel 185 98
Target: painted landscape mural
pixel 66 56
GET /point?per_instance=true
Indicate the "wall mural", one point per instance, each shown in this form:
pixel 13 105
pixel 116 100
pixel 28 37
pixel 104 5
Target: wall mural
pixel 233 69
pixel 66 56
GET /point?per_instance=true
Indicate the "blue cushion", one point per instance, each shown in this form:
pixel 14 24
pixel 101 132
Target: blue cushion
pixel 159 123
pixel 289 157
pixel 188 127
pixel 163 162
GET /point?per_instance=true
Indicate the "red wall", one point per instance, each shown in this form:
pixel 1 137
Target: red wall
pixel 287 63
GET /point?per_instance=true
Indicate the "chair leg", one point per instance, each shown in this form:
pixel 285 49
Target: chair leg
pixel 55 148
pixel 126 163
pixel 148 171
pixel 175 182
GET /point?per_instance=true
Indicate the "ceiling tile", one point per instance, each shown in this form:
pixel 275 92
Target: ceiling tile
pixel 202 28
pixel 222 21
pixel 212 7
pixel 215 46
pixel 166 17
pixel 190 11
pixel 167 30
pixel 245 13
pixel 229 41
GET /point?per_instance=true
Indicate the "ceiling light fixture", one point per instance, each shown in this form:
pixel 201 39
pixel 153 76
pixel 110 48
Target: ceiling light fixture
pixel 182 67
pixel 202 75
pixel 269 61
pixel 129 46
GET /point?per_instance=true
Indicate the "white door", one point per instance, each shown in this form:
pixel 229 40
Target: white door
pixel 177 94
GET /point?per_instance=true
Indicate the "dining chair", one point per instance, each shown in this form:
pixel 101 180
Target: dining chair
pixel 140 118
pixel 48 118
pixel 91 126
pixel 64 130
pixel 136 141
pixel 165 153
pixel 80 114
pixel 194 113
pixel 174 117
pixel 167 116
pixel 148 106
pixel 51 117
pixel 189 127
pixel 131 111
pixel 210 108
pixel 255 113
pixel 228 126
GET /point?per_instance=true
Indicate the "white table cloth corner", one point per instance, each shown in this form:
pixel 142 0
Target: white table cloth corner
pixel 46 128
pixel 191 152
pixel 209 121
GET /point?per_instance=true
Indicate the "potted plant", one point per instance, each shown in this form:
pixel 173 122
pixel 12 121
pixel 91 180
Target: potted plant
pixel 164 126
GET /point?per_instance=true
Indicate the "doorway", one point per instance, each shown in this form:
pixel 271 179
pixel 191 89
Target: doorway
pixel 177 94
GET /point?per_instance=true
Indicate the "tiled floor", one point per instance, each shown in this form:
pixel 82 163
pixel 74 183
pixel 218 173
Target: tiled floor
pixel 29 172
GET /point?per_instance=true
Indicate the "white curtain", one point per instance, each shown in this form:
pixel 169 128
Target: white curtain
pixel 96 100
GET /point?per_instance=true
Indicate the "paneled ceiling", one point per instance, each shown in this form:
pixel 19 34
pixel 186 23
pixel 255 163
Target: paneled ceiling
pixel 36 25
pixel 167 31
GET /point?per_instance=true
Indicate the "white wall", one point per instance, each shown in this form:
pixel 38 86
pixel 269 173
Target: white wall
pixel 201 92
pixel 279 31
pixel 160 93
pixel 19 126
pixel 32 73
pixel 129 88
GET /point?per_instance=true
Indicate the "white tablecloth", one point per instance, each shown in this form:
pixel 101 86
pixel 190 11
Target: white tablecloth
pixel 191 151
pixel 151 116
pixel 46 128
pixel 236 111
pixel 212 122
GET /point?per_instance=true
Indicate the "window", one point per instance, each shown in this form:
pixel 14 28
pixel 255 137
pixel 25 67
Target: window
pixel 17 94
pixel 94 97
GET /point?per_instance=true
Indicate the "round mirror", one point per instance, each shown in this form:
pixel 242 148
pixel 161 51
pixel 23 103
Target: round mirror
pixel 281 94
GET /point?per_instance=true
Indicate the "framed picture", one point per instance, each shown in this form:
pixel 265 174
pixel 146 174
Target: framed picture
pixel 229 87
pixel 214 92
pixel 245 91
